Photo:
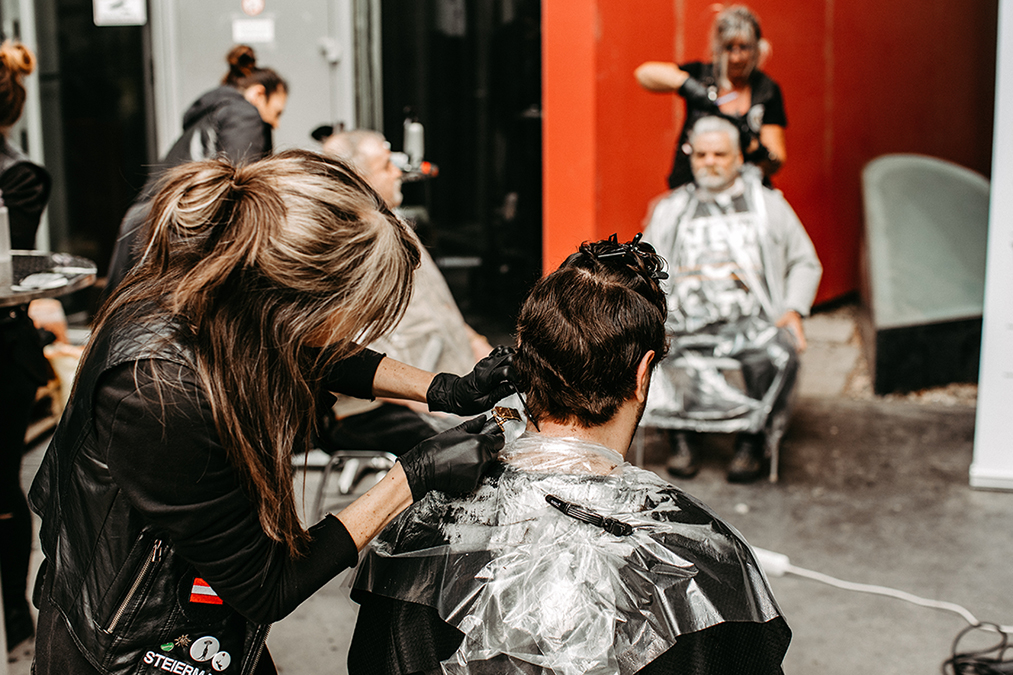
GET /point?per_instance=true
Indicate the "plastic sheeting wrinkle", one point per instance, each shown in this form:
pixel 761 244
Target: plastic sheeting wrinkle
pixel 524 581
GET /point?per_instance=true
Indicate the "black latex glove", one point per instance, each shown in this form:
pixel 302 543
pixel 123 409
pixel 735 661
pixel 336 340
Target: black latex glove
pixel 477 391
pixel 697 96
pixel 453 461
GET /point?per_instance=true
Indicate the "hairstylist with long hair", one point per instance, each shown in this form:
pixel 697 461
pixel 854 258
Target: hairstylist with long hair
pixel 24 188
pixel 234 120
pixel 169 522
pixel 730 86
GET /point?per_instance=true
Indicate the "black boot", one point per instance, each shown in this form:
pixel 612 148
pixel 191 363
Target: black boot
pixel 684 461
pixel 15 551
pixel 18 624
pixel 747 462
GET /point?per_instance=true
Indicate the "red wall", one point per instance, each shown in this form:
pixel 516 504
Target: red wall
pixel 860 78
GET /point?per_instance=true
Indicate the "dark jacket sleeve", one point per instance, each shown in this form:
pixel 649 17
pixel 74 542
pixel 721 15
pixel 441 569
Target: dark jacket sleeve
pixel 354 375
pixel 25 189
pixel 164 453
pixel 242 135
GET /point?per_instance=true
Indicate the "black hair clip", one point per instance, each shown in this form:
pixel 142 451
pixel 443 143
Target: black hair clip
pixel 527 411
pixel 610 525
pixel 633 252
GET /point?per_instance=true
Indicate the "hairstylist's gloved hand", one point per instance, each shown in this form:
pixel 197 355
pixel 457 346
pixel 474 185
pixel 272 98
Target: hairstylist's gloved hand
pixel 697 95
pixel 453 461
pixel 477 391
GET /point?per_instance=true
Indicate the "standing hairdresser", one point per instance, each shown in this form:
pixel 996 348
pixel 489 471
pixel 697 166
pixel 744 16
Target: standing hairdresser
pixel 24 188
pixel 234 120
pixel 732 86
pixel 169 523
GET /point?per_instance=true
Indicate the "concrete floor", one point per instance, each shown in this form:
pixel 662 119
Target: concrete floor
pixel 872 490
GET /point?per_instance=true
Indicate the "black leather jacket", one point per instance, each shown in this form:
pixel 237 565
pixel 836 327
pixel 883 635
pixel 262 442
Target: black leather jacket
pixel 119 584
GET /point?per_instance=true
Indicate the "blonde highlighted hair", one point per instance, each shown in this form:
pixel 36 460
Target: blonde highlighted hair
pixel 736 22
pixel 262 264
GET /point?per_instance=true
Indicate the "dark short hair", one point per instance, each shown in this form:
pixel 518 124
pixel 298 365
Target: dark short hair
pixel 585 327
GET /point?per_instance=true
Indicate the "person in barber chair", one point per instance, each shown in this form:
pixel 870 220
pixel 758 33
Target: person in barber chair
pixel 567 559
pixel 743 274
pixel 432 331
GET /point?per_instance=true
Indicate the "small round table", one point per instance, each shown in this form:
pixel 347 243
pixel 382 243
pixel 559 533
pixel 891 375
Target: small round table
pixel 71 273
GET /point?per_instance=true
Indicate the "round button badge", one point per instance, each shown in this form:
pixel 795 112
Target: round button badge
pixel 204 648
pixel 221 661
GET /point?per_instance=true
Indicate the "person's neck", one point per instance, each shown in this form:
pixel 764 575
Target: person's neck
pixel 616 434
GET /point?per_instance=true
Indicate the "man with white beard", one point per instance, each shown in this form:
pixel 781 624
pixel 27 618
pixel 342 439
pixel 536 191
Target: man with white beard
pixel 743 273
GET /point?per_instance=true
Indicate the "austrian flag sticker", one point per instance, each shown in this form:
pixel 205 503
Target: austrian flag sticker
pixel 203 594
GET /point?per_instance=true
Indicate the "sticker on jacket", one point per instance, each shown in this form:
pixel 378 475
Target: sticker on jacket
pixel 203 594
pixel 169 665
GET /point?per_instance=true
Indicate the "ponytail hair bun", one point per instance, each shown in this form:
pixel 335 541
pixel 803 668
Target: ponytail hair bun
pixel 16 61
pixel 17 58
pixel 242 63
pixel 244 72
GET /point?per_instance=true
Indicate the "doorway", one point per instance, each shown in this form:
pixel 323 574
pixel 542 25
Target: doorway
pixel 470 72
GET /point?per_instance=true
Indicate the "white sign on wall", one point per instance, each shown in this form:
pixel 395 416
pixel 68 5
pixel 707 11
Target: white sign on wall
pixel 120 12
pixel 253 31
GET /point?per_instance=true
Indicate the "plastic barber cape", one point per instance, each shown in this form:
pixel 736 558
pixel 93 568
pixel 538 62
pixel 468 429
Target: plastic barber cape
pixel 728 284
pixel 536 589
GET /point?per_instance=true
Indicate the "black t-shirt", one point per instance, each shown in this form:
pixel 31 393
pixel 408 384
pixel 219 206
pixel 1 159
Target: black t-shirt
pixel 766 107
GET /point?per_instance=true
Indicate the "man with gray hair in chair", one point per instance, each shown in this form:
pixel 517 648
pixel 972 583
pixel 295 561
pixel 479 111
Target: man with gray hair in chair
pixel 431 334
pixel 743 274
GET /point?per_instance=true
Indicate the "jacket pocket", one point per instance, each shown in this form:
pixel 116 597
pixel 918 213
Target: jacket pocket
pixel 143 574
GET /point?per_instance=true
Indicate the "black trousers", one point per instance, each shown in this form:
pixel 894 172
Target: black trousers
pixel 23 370
pixel 389 428
pixel 759 372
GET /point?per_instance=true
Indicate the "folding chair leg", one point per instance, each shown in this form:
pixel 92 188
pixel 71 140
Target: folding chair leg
pixel 638 440
pixel 775 451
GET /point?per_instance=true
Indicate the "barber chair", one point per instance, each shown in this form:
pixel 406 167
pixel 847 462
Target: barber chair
pixel 696 390
pixel 345 476
pixel 923 271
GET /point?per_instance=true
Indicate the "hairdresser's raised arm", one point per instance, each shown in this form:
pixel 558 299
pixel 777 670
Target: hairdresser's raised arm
pixel 660 77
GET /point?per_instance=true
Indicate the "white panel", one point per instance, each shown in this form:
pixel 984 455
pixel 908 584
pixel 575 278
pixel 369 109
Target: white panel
pixel 993 439
pixel 32 115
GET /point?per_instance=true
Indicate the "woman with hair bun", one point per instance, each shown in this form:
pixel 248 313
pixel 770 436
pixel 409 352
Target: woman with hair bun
pixel 169 523
pixel 730 86
pixel 24 189
pixel 234 120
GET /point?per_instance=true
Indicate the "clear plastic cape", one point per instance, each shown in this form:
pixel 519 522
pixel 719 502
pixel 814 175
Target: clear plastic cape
pixel 535 590
pixel 721 307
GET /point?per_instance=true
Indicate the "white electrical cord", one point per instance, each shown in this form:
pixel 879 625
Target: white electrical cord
pixel 778 564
